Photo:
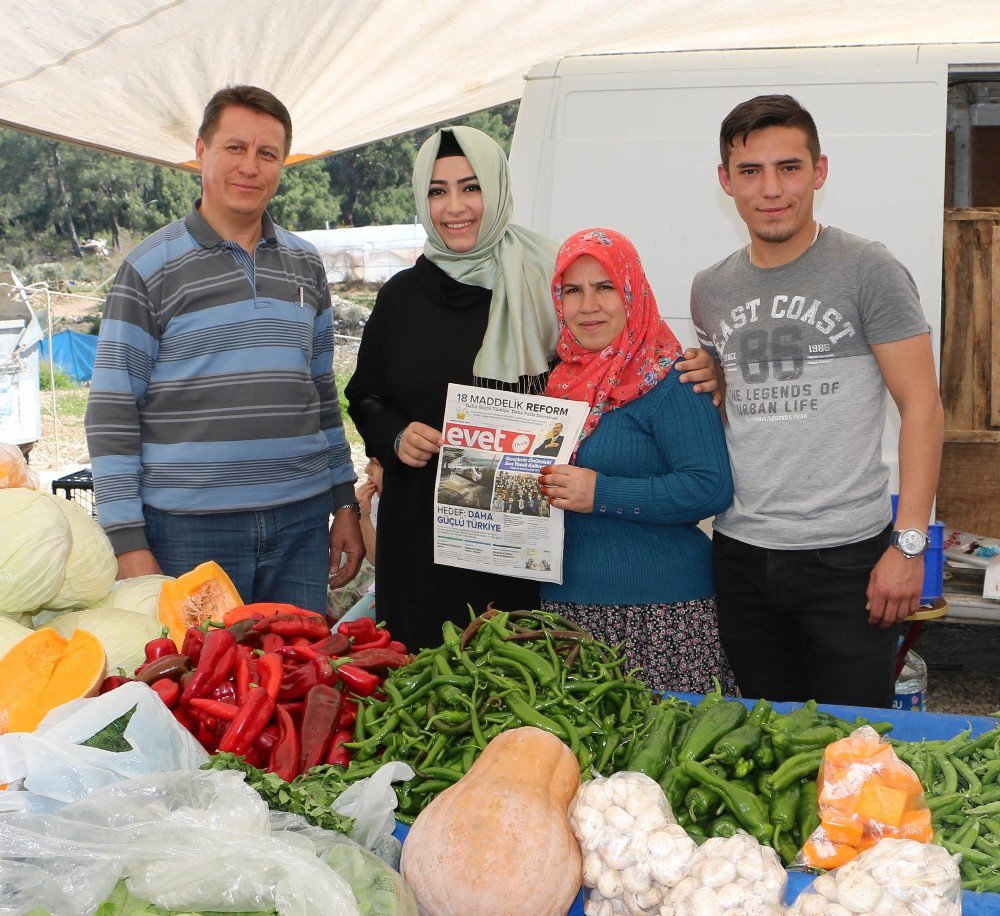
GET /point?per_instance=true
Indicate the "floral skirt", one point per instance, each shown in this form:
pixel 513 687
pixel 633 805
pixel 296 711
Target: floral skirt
pixel 677 646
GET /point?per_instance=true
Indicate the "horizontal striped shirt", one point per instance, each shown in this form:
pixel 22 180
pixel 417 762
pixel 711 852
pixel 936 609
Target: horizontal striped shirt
pixel 213 387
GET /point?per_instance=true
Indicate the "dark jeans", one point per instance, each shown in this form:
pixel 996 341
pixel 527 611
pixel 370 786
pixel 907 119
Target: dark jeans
pixel 794 624
pixel 280 554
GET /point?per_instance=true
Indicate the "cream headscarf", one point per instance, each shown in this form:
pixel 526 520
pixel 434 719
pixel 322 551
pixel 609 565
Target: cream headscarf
pixel 514 262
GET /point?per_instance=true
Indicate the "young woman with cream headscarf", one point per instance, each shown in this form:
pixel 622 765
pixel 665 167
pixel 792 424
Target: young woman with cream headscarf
pixel 650 464
pixel 474 309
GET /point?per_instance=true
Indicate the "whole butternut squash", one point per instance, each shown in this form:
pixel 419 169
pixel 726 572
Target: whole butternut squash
pixel 498 842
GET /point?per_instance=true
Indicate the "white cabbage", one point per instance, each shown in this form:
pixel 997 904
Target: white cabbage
pixel 11 633
pixel 92 565
pixel 35 542
pixel 123 635
pixel 140 595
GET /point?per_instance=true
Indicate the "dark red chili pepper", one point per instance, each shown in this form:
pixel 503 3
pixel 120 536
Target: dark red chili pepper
pixel 380 641
pixel 226 691
pixel 256 757
pixel 171 666
pixel 251 719
pixel 299 682
pixel 319 721
pixel 289 626
pixel 183 715
pixel 338 755
pixel 114 680
pixel 218 658
pixel 267 739
pixel 243 630
pixel 202 707
pixel 297 654
pixel 361 630
pixel 169 691
pixel 334 644
pixel 378 661
pixel 194 640
pixel 207 738
pixel 363 683
pixel 300 641
pixel 162 645
pixel 271 642
pixel 270 673
pixel 284 757
pixel 399 647
pixel 348 713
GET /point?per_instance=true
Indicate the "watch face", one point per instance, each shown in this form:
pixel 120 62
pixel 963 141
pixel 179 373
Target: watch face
pixel 912 542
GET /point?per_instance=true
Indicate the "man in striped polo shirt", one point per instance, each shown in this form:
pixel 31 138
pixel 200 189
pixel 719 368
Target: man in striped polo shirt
pixel 213 421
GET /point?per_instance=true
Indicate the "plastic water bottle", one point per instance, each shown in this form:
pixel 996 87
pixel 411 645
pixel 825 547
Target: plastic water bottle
pixel 911 686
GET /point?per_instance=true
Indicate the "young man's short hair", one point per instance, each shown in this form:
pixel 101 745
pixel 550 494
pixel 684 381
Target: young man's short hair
pixel 766 111
pixel 251 97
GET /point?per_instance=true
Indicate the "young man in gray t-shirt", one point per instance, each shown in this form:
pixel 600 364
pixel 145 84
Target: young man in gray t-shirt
pixel 812 326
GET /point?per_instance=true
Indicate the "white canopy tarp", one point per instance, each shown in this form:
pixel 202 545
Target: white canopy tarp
pixel 370 254
pixel 132 76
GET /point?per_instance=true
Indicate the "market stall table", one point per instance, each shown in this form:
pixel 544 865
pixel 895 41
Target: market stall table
pixel 906 726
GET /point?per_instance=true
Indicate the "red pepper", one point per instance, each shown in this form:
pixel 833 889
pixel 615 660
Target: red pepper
pixel 299 682
pixel 171 666
pixel 267 739
pixel 251 719
pixel 183 715
pixel 296 654
pixel 216 709
pixel 218 658
pixel 362 629
pixel 363 683
pixel 319 721
pixel 399 647
pixel 300 641
pixel 208 739
pixel 162 645
pixel 334 644
pixel 226 691
pixel 261 610
pixel 378 661
pixel 289 626
pixel 271 642
pixel 270 674
pixel 284 757
pixel 348 714
pixel 338 755
pixel 243 630
pixel 194 640
pixel 243 679
pixel 114 680
pixel 169 691
pixel 380 641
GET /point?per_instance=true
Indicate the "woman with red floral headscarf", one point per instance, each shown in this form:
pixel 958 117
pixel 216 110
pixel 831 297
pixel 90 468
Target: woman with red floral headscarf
pixel 650 464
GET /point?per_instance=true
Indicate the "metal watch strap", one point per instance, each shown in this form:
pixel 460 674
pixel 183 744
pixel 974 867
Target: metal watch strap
pixel 355 506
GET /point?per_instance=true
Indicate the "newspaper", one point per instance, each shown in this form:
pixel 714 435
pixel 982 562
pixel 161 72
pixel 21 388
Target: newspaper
pixel 489 511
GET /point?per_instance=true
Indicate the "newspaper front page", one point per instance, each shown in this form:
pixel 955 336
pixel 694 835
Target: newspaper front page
pixel 489 510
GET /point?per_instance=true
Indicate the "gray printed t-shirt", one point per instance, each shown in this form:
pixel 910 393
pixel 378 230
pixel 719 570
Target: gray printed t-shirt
pixel 805 399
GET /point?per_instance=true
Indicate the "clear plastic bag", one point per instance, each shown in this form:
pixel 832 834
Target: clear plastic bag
pixel 865 793
pixel 735 876
pixel 190 841
pixel 372 803
pixel 52 767
pixel 892 878
pixel 633 849
pixel 14 470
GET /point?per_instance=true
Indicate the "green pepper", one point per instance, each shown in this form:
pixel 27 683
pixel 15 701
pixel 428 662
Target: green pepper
pixel 785 846
pixel 743 767
pixel 764 755
pixel 700 803
pixel 802 718
pixel 764 787
pixel 794 769
pixel 783 808
pixel 696 833
pixel 745 806
pixel 809 739
pixel 725 826
pixel 717 722
pixel 807 811
pixel 652 753
pixel 675 784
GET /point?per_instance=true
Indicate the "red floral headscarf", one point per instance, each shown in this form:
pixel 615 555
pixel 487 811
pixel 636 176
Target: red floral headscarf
pixel 633 364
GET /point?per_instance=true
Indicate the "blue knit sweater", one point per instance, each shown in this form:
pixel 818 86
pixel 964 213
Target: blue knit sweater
pixel 662 466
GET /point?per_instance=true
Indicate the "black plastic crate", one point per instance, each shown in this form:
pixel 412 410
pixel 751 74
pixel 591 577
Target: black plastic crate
pixel 78 487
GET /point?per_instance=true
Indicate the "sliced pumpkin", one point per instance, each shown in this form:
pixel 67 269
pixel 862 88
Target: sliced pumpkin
pixel 195 598
pixel 43 671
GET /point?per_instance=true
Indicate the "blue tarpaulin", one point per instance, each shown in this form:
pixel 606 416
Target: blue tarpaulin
pixel 72 353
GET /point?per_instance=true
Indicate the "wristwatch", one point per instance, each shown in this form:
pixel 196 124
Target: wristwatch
pixel 911 542
pixel 356 507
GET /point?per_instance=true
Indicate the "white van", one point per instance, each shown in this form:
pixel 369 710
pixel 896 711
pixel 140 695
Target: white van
pixel 630 141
